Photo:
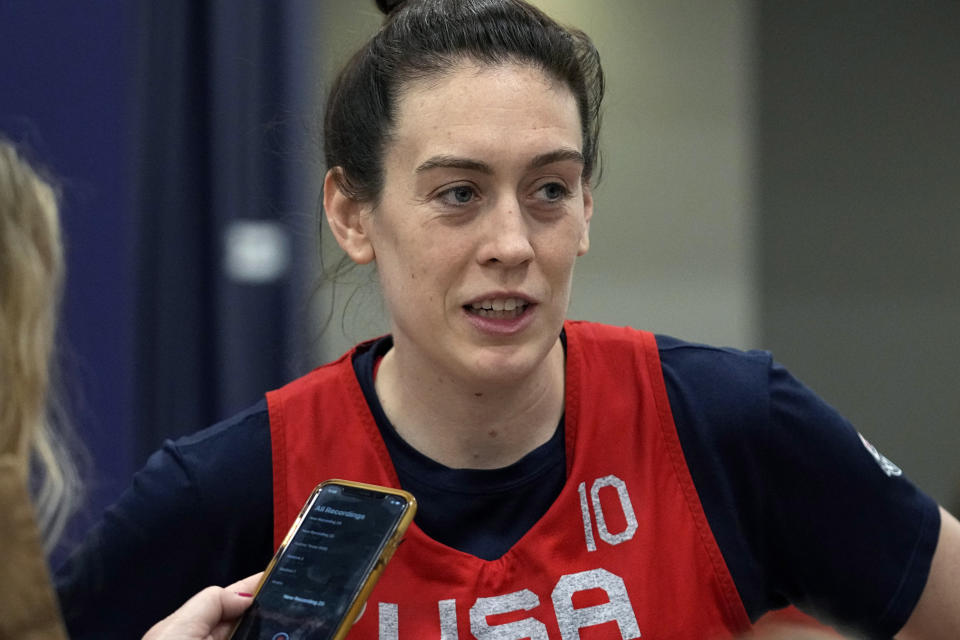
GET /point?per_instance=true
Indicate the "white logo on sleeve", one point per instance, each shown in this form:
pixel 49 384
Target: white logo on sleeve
pixel 888 467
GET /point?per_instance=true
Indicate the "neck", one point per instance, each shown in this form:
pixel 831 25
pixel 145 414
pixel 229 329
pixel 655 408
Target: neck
pixel 470 425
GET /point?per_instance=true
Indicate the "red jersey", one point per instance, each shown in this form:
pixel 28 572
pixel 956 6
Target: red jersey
pixel 625 551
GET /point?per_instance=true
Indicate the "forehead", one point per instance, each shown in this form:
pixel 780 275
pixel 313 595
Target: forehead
pixel 477 109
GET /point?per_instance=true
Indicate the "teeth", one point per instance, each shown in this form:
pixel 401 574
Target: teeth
pixel 499 307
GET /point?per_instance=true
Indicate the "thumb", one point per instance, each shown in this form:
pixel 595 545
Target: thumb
pixel 235 599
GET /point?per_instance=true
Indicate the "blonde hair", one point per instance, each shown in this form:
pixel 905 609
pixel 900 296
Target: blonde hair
pixel 31 283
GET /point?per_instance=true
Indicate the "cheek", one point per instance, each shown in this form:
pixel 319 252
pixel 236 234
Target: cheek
pixel 560 250
pixel 417 277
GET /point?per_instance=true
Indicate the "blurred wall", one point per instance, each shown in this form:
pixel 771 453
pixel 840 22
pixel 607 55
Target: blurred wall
pixel 672 241
pixel 859 207
pixel 350 310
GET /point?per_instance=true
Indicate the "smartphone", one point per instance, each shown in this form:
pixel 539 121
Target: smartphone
pixel 318 581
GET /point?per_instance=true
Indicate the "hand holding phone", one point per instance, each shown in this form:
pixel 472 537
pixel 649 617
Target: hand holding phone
pixel 326 567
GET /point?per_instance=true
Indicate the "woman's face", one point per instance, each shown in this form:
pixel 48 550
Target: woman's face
pixel 482 216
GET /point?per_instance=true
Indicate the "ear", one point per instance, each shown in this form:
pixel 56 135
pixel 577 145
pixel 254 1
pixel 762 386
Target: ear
pixel 345 216
pixel 587 215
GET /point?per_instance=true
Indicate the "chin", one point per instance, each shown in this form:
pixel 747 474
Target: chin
pixel 498 366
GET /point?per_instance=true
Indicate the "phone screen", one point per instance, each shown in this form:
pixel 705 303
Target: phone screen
pixel 317 575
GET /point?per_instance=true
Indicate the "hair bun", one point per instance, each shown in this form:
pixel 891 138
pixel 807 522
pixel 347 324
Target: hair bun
pixel 389 6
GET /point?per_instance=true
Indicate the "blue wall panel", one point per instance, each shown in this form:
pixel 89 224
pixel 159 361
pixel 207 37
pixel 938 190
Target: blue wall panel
pixel 64 96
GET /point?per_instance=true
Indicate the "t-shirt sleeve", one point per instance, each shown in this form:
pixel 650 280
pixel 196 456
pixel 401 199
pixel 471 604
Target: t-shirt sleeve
pixel 805 511
pixel 864 534
pixel 198 513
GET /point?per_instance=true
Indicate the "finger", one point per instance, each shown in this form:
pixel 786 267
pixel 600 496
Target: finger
pixel 234 600
pixel 233 604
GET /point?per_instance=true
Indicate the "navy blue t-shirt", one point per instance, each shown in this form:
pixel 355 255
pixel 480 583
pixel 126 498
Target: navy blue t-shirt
pixel 802 510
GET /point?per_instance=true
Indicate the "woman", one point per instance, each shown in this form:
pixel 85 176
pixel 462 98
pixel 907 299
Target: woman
pixel 574 479
pixel 31 275
pixel 31 278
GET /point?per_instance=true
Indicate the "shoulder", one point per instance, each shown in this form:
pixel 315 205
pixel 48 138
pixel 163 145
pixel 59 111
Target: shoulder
pixel 722 381
pixel 687 358
pixel 718 392
pixel 677 349
pixel 230 457
pixel 203 473
pixel 692 363
pixel 595 334
pixel 252 423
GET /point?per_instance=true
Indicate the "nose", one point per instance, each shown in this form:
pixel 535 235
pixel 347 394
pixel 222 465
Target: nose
pixel 507 235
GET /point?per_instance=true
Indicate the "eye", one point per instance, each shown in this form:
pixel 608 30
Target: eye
pixel 458 196
pixel 553 192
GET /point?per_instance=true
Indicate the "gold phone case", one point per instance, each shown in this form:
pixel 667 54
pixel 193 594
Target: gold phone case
pixel 389 547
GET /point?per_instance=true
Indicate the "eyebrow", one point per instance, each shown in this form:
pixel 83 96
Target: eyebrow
pixel 455 162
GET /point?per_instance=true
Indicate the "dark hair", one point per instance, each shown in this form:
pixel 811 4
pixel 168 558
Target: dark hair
pixel 421 38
